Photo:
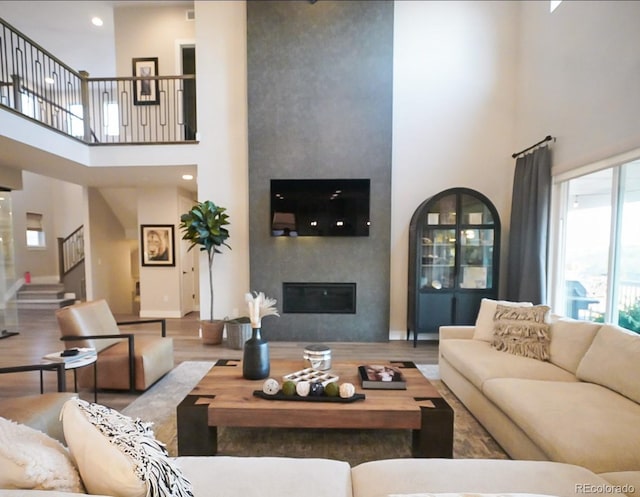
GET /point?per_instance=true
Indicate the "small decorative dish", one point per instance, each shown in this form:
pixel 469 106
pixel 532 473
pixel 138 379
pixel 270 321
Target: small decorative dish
pixel 309 398
pixel 312 376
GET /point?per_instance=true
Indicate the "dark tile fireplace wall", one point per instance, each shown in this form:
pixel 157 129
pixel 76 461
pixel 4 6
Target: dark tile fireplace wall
pixel 320 102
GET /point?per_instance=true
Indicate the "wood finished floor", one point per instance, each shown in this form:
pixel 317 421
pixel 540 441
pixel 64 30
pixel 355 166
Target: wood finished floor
pixel 39 335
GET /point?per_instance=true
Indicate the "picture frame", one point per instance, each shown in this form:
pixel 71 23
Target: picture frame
pixel 145 91
pixel 157 247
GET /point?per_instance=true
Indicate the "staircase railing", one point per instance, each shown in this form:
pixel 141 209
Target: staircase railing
pixel 71 251
pixel 40 87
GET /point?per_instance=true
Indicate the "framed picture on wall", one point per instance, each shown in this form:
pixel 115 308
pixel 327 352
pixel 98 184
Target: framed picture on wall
pixel 157 247
pixel 145 91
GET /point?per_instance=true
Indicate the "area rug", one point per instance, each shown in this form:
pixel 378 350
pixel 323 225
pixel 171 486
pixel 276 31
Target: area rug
pixel 158 405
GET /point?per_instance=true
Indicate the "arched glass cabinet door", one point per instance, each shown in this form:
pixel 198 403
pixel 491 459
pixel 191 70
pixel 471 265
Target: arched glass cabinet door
pixel 453 260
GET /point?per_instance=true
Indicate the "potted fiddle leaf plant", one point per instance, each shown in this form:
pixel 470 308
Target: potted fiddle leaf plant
pixel 204 226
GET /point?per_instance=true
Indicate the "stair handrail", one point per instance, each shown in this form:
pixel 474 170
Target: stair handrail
pixel 71 251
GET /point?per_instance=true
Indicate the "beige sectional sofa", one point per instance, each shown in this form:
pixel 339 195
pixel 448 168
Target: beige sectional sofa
pixel 581 407
pixel 223 476
pixel 220 476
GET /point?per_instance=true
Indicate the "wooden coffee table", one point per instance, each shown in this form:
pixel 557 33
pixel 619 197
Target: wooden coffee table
pixel 224 398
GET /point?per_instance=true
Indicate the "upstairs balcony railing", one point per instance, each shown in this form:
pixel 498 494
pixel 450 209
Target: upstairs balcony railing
pixel 97 111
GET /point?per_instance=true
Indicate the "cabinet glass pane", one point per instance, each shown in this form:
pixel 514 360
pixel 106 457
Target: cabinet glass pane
pixel 437 259
pixel 476 258
pixel 442 211
pixel 474 211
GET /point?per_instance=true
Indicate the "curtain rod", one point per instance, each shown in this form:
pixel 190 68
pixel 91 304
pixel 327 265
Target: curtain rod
pixel 546 139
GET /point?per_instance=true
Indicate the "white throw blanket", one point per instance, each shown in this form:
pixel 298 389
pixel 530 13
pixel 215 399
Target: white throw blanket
pixel 33 460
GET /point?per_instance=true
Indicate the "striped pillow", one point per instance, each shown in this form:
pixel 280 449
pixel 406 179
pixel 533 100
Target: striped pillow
pixel 118 455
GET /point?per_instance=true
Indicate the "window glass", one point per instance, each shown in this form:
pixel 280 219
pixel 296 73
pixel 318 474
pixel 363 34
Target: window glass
pixel 600 269
pixel 475 211
pixel 74 120
pixel 587 240
pixel 112 119
pixel 628 266
pixel 35 230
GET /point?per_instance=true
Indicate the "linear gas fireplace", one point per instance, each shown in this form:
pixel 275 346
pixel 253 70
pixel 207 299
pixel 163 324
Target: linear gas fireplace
pixel 319 298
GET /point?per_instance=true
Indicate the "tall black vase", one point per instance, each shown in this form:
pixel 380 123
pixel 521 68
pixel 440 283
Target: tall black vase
pixel 255 359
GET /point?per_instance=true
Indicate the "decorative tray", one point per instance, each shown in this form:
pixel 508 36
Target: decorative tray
pixel 309 398
pixel 312 376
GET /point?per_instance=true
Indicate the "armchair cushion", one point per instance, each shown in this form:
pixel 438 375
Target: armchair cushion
pixel 153 359
pixel 88 319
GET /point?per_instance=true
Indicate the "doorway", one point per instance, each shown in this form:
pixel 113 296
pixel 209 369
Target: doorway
pixel 188 53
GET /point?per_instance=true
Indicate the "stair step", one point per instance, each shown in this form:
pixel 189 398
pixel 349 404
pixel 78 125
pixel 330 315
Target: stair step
pixel 43 286
pixel 43 303
pixel 40 294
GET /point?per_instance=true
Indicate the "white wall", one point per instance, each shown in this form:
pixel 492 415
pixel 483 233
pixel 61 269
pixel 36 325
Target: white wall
pixel 578 79
pixel 109 265
pixel 62 207
pixel 223 157
pixel 160 285
pixel 453 112
pixel 150 31
pixel 65 30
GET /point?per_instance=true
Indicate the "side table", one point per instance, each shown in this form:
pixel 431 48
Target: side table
pixel 82 362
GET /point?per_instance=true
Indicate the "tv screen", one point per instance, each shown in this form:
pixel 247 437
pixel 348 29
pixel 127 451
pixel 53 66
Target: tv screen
pixel 320 207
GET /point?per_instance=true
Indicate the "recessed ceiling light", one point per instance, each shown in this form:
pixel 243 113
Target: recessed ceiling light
pixel 49 80
pixel 96 21
pixel 187 177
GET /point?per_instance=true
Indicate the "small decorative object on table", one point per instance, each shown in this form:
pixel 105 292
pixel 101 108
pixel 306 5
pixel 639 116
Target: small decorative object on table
pixel 255 359
pixel 318 356
pixel 311 375
pixel 309 385
pixel 70 355
pixel 382 377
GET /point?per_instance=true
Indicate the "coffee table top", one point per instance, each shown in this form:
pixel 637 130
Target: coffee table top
pixel 231 401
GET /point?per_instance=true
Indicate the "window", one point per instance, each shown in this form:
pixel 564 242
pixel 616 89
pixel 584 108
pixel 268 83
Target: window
pixel 35 231
pixel 110 119
pixel 599 258
pixel 30 106
pixel 554 4
pixel 75 122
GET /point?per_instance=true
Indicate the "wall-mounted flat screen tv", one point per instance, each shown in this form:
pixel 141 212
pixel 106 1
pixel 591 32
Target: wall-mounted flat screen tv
pixel 320 207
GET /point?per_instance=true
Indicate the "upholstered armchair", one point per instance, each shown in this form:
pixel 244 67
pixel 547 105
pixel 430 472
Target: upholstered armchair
pixel 126 361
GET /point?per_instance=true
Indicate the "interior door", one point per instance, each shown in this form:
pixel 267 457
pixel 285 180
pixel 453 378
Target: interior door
pixel 189 94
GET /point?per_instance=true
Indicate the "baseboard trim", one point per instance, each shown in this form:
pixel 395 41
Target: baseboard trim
pixel 160 314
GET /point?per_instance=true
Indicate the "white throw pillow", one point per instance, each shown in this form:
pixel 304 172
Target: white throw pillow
pixel 118 455
pixel 484 321
pixel 30 459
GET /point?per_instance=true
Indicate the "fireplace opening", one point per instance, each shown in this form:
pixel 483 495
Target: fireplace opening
pixel 319 298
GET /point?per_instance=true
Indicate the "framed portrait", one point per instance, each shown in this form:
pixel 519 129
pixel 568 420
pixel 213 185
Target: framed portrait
pixel 157 247
pixel 145 91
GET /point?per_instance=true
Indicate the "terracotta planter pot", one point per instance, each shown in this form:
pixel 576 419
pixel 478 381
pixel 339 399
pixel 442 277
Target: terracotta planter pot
pixel 211 331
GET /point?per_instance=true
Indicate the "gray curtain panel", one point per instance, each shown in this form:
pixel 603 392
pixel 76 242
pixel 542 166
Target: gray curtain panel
pixel 528 233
